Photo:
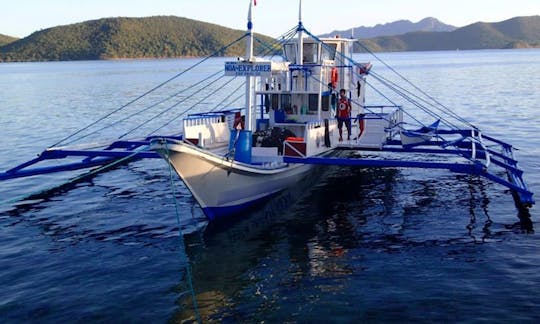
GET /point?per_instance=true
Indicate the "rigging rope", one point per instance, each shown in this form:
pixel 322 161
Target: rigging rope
pixel 176 104
pixel 411 100
pixel 272 49
pixel 141 111
pixel 401 91
pixel 228 96
pixel 217 52
pixel 446 109
pixel 393 86
pixel 210 93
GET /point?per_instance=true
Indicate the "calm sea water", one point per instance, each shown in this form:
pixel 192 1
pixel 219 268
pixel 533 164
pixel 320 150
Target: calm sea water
pixel 395 245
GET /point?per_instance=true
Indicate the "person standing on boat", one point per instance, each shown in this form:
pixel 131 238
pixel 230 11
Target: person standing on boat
pixel 239 121
pixel 344 114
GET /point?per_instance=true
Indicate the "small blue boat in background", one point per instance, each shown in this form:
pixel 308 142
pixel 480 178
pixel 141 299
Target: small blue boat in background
pixel 411 138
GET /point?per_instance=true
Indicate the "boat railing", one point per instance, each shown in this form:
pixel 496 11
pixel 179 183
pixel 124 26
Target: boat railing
pixel 296 147
pixel 380 108
pixel 395 121
pixel 206 131
pixel 314 124
pixel 476 139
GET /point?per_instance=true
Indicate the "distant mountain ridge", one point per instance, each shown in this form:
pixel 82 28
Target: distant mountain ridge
pixel 5 39
pixel 399 27
pixel 113 38
pixel 169 36
pixel 518 32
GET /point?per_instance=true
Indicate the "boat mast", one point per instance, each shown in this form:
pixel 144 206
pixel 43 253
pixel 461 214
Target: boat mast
pixel 249 79
pixel 300 50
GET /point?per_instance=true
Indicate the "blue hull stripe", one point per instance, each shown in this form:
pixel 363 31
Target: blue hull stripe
pixel 217 213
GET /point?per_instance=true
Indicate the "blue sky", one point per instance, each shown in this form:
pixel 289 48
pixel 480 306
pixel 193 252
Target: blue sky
pixel 271 17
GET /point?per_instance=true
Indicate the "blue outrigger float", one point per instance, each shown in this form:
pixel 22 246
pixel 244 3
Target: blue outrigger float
pixel 232 158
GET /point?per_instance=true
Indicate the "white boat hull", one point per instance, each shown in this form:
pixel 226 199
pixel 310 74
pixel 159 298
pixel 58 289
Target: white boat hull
pixel 225 187
pixel 410 138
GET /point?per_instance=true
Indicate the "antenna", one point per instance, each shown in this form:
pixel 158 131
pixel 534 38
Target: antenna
pixel 299 58
pixel 300 11
pixel 249 79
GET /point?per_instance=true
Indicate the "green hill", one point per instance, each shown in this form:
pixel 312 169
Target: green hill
pixel 168 36
pixel 513 33
pixel 112 38
pixel 4 39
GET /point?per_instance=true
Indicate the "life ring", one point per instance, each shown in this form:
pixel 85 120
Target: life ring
pixel 334 77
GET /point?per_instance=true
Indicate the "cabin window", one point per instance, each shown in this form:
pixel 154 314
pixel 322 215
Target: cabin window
pixel 313 102
pixel 267 103
pixel 328 52
pixel 286 102
pixel 289 50
pixel 311 53
pixel 275 101
pixel 325 103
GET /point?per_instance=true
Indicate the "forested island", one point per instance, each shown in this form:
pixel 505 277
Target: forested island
pixel 170 36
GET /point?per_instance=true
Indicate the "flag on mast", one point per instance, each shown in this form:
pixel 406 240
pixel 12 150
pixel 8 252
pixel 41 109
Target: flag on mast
pixel 254 2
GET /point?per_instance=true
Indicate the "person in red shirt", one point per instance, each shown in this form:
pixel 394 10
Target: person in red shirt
pixel 344 114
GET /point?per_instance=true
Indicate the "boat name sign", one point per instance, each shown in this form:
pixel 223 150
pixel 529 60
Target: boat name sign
pixel 256 69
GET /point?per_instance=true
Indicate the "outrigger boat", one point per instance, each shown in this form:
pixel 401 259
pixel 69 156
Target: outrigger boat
pixel 410 138
pixel 232 158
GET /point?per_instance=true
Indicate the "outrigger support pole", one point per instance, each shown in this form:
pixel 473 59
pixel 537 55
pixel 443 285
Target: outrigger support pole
pixel 129 150
pixel 515 183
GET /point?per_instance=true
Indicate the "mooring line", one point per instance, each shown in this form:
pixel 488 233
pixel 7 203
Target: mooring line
pixel 181 237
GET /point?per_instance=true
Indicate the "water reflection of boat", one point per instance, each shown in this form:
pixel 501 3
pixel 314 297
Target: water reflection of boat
pixel 235 260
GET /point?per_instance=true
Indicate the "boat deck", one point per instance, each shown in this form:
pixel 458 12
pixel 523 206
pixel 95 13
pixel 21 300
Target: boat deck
pixel 474 158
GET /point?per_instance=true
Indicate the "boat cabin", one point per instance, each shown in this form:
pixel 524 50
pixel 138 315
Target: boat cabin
pixel 307 89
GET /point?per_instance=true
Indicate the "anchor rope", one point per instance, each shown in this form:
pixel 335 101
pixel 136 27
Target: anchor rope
pixel 181 237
